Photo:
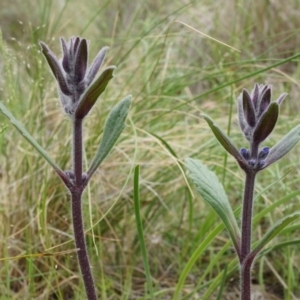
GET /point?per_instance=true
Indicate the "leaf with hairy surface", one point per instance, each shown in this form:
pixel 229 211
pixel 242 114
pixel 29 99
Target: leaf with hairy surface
pixel 212 191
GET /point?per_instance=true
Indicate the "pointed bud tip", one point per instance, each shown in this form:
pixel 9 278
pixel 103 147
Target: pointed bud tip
pixel 281 98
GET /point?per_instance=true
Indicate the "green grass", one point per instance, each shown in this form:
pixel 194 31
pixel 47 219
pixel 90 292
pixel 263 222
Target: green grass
pixel 174 74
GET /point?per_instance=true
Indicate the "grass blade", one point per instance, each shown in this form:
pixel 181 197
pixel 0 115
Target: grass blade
pixel 140 230
pixel 197 253
pixel 273 231
pixel 222 284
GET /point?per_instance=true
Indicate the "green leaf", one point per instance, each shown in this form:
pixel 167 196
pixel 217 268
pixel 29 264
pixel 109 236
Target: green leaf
pixel 272 232
pixel 225 141
pixel 2 129
pixel 90 96
pixel 212 191
pixel 283 146
pixel 140 230
pixel 28 137
pixel 278 246
pixel 194 257
pixel 114 125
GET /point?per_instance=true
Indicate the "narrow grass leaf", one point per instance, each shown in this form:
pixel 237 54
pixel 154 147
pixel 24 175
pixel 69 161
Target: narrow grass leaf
pixel 29 138
pixel 194 257
pixel 279 246
pixel 272 232
pixel 212 191
pixel 222 284
pixel 225 141
pixel 140 230
pixel 3 128
pixel 114 125
pixel 232 267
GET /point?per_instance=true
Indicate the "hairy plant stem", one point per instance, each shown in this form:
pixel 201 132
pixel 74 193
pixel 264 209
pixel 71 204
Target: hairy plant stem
pixel 246 235
pixel 76 193
pixel 77 151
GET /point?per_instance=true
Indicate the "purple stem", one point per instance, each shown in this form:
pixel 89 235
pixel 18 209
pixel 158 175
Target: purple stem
pixel 81 246
pixel 76 193
pixel 77 151
pixel 246 281
pixel 246 235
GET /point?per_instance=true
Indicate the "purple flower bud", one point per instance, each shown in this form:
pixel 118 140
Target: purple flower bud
pixel 281 98
pixel 264 101
pixel 70 174
pixel 257 114
pixel 255 95
pixel 96 64
pixel 75 82
pixel 252 162
pixel 266 123
pixel 263 153
pixel 249 112
pixel 260 164
pixel 245 153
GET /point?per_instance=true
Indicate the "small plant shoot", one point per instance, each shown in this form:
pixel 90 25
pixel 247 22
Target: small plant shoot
pixel 79 88
pixel 257 116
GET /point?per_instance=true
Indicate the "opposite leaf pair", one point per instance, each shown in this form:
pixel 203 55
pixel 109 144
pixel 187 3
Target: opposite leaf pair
pixel 79 90
pixel 257 118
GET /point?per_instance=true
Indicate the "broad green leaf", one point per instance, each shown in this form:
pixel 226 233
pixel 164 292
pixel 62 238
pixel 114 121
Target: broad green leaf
pixel 283 146
pixel 272 232
pixel 28 137
pixel 225 141
pixel 114 125
pixel 212 191
pixel 90 96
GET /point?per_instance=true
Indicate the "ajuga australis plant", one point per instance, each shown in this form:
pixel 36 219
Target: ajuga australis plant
pixel 257 118
pixel 79 88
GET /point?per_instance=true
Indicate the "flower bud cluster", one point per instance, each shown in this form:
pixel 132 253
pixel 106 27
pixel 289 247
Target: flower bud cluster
pixel 71 72
pixel 257 114
pixel 255 163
